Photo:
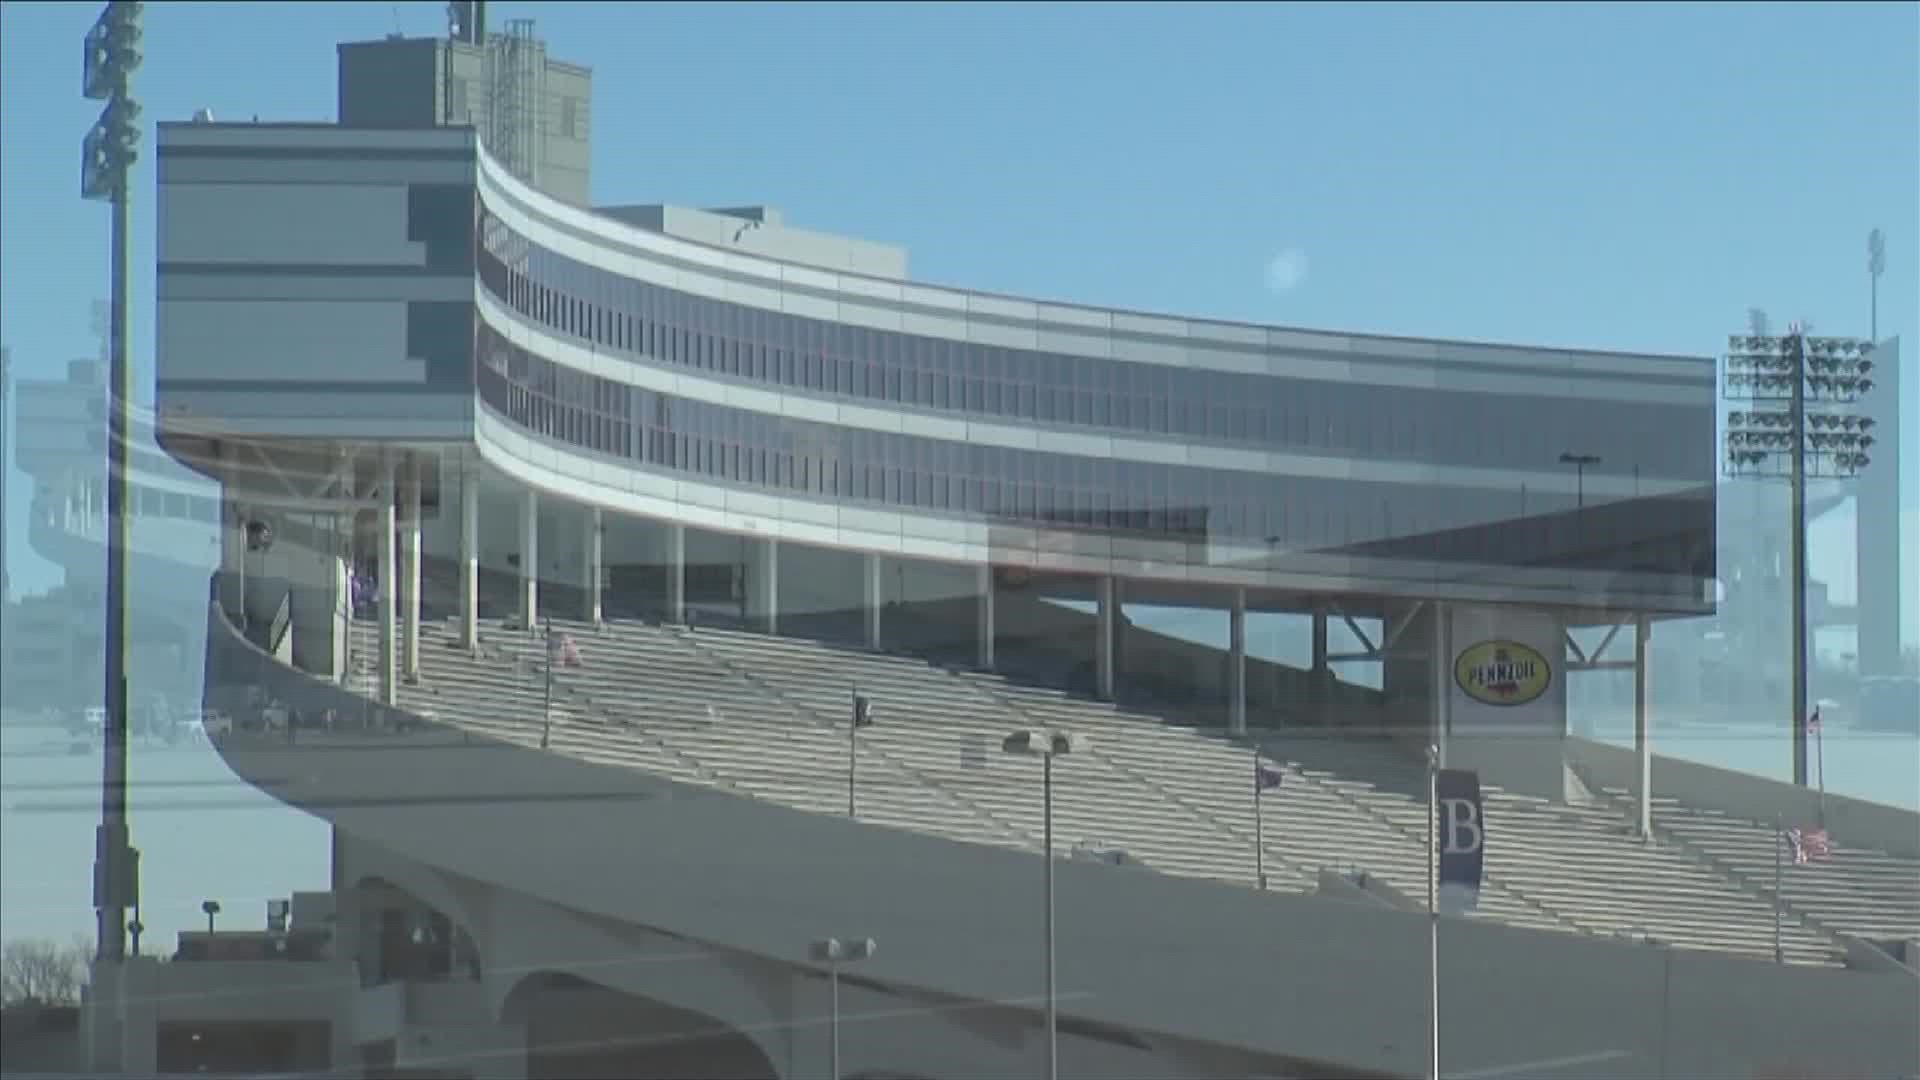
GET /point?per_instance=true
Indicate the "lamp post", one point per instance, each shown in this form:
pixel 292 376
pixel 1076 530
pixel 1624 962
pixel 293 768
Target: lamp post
pixel 1046 745
pixel 210 908
pixel 107 157
pixel 833 952
pixel 1579 463
pixel 1775 380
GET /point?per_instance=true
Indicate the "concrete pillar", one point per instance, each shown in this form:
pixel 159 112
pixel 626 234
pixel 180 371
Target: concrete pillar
pixel 529 560
pixel 317 587
pixel 1642 726
pixel 1237 661
pixel 1106 620
pixel 768 584
pixel 676 573
pixel 469 559
pixel 872 599
pixel 1321 680
pixel 410 573
pixel 389 582
pixel 233 563
pixel 986 620
pixel 593 569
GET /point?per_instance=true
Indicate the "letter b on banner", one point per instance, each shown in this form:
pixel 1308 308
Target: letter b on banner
pixel 1461 829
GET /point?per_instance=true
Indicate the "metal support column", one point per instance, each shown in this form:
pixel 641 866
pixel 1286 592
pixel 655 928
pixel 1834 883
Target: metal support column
pixel 1642 734
pixel 676 573
pixel 529 561
pixel 1237 675
pixel 872 597
pixel 1322 679
pixel 389 581
pixel 770 583
pixel 410 573
pixel 1106 619
pixel 985 625
pixel 593 568
pixel 469 558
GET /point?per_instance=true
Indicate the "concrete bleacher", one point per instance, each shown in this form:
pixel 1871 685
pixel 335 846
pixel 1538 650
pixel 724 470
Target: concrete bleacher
pixel 767 717
pixel 1869 894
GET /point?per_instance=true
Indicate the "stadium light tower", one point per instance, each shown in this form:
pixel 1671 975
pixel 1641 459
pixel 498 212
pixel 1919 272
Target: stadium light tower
pixel 1876 265
pixel 107 155
pixel 1797 411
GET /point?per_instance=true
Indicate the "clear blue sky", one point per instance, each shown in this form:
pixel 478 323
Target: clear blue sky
pixel 1612 175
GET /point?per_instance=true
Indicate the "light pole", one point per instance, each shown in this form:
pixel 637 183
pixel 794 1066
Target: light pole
pixel 1046 745
pixel 1775 379
pixel 1579 463
pixel 107 157
pixel 833 952
pixel 210 908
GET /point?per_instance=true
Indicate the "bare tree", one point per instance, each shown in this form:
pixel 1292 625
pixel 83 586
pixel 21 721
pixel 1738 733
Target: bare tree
pixel 42 972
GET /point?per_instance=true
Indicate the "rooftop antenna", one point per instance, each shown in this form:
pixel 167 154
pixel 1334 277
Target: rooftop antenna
pixel 397 33
pixel 1876 265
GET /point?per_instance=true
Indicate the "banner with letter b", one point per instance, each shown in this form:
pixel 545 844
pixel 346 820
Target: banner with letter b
pixel 1460 832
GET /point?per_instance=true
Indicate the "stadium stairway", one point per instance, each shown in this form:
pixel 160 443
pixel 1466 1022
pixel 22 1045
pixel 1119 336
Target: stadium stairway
pixel 767 717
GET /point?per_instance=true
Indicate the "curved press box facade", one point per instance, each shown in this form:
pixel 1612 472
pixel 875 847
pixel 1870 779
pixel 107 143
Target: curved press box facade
pixel 634 419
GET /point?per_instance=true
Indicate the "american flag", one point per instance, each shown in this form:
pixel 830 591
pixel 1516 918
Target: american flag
pixel 1813 722
pixel 1809 845
pixel 569 652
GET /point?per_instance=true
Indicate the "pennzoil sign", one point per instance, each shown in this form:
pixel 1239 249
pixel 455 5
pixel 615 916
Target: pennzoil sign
pixel 1502 673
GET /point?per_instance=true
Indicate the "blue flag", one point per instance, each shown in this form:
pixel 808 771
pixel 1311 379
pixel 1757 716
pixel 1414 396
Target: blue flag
pixel 1460 829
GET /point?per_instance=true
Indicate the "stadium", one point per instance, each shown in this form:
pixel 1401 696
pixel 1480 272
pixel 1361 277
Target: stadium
pixel 657 602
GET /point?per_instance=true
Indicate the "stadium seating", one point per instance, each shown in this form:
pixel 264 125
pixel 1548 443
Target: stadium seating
pixel 1865 893
pixel 768 717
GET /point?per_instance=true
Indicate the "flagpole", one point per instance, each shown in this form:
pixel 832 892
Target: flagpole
pixel 1820 761
pixel 1433 918
pixel 853 756
pixel 1779 838
pixel 1259 838
pixel 546 717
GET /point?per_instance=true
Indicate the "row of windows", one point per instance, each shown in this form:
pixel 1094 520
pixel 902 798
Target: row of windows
pixel 145 502
pixel 784 455
pixel 573 299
